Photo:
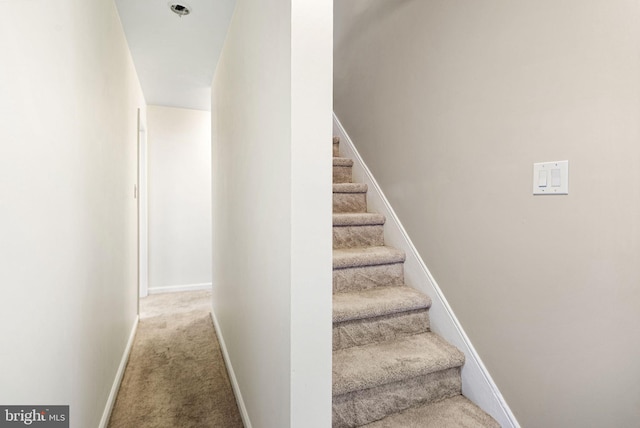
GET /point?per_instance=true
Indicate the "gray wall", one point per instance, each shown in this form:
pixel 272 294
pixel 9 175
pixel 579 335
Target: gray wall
pixel 450 104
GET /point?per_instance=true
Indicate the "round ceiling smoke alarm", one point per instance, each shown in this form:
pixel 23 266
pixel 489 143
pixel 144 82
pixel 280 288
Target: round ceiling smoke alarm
pixel 180 9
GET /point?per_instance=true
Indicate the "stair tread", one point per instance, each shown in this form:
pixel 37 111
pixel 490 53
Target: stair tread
pixel 338 161
pixel 377 302
pixel 366 256
pixel 357 219
pixel 454 412
pixel 350 188
pixel 368 366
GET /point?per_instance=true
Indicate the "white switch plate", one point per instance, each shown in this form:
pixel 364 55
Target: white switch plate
pixel 551 186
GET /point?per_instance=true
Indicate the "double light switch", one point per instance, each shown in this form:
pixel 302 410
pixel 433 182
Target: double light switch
pixel 551 178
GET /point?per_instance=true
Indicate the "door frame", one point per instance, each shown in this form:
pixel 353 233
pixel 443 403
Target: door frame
pixel 143 219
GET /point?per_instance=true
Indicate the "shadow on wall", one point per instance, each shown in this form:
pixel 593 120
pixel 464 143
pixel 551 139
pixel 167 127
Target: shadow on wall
pixel 364 13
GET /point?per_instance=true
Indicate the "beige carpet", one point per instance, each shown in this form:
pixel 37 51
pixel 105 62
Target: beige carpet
pixel 176 376
pixel 389 369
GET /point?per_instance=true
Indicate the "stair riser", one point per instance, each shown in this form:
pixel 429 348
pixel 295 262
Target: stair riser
pixel 379 329
pixel 367 277
pixel 349 202
pixel 358 236
pixel 362 407
pixel 455 411
pixel 336 149
pixel 342 174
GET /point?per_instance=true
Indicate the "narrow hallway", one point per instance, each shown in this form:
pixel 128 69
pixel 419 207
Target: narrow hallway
pixel 176 375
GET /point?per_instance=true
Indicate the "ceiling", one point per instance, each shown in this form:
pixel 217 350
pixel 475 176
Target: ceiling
pixel 176 57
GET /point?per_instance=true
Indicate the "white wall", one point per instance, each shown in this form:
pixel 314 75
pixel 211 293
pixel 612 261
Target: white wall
pixel 179 191
pixel 68 110
pixel 450 103
pixel 271 109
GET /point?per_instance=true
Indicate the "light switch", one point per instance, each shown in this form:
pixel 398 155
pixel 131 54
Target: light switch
pixel 555 177
pixel 542 178
pixel 551 178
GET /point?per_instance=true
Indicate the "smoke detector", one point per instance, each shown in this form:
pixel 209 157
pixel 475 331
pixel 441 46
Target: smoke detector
pixel 180 9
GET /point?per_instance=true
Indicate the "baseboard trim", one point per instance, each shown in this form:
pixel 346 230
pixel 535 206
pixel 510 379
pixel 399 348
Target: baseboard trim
pixel 179 288
pixel 232 376
pixel 119 375
pixel 477 383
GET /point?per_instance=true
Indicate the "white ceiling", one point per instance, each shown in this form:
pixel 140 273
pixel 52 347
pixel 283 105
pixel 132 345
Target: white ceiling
pixel 176 57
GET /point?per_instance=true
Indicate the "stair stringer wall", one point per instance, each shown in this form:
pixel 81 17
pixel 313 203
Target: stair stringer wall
pixel 477 384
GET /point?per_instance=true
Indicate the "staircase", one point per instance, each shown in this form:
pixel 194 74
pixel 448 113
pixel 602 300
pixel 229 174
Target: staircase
pixel 389 369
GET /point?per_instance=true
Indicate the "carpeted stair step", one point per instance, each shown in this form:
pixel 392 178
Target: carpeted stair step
pixel 378 315
pixel 365 268
pixel 368 277
pixel 366 256
pixel 389 370
pixel 342 170
pixel 358 230
pixel 373 381
pixel 392 361
pixel 454 412
pixel 349 198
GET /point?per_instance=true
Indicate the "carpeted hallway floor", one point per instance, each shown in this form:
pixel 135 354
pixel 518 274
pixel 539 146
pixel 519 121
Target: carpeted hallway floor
pixel 176 375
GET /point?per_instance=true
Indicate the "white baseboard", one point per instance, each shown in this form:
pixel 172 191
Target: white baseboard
pixel 232 376
pixel 119 375
pixel 477 384
pixel 179 288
